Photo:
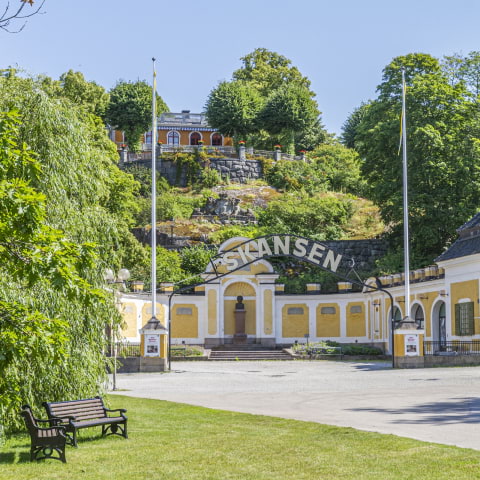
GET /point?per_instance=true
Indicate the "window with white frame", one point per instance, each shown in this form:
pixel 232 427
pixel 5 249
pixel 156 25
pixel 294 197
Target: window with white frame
pixel 173 138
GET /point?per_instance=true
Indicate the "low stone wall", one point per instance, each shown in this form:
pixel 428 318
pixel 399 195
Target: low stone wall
pixel 364 252
pixel 451 360
pixel 235 169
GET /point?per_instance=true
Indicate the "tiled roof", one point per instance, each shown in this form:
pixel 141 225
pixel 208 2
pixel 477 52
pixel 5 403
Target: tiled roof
pixel 468 242
pixel 472 223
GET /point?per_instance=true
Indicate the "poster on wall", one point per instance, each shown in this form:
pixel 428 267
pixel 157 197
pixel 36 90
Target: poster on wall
pixel 152 345
pixel 411 345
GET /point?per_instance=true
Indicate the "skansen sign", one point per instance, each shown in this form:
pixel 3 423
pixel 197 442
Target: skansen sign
pixel 283 245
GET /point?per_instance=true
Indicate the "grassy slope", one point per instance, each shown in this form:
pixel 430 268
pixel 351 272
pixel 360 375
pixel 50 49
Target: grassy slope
pixel 175 441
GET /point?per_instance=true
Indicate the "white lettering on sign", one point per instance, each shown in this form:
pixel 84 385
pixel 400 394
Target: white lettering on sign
pixel 316 251
pixel 263 248
pixel 278 245
pixel 300 250
pixel 275 245
pixel 331 260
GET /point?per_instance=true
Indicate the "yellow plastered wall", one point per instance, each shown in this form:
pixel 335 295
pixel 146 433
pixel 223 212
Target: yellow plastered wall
pixel 427 309
pixel 250 317
pixel 459 290
pixel 239 288
pixel 267 312
pixel 184 326
pixel 129 315
pixel 147 313
pixel 295 325
pixel 328 325
pixel 212 312
pixel 356 321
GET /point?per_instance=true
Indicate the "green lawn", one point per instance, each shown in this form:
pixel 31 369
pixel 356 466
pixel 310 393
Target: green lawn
pixel 175 441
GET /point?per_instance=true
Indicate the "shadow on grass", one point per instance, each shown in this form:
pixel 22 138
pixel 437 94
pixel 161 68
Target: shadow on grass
pixel 15 457
pixel 464 410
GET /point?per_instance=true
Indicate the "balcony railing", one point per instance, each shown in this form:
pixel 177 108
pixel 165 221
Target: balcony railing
pixel 452 347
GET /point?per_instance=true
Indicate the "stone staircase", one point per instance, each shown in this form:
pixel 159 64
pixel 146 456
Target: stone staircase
pixel 247 352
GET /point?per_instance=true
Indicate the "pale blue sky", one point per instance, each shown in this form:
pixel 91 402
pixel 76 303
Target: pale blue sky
pixel 341 46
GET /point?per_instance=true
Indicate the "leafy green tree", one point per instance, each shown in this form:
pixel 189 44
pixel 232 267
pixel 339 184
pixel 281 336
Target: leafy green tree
pixel 232 108
pixel 289 110
pixel 267 71
pixel 130 109
pixel 251 106
pixel 464 69
pixel 81 92
pixel 62 224
pixel 443 154
pixel 350 126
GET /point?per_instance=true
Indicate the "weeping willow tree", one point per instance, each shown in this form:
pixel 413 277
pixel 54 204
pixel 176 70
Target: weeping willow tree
pixel 65 212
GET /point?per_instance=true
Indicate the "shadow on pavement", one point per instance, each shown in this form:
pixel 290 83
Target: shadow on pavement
pixel 457 410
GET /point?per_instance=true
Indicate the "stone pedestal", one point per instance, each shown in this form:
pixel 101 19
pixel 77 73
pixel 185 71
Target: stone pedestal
pixel 240 337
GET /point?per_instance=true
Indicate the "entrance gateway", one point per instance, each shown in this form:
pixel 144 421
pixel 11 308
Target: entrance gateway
pixel 241 269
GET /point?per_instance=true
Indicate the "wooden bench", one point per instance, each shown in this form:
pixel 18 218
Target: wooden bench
pixel 45 442
pixel 89 412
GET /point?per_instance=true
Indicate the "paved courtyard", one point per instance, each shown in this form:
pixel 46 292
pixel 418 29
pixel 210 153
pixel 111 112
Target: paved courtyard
pixel 438 405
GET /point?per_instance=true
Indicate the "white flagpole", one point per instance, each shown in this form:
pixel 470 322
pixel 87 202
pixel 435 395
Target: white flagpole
pixel 405 200
pixel 154 193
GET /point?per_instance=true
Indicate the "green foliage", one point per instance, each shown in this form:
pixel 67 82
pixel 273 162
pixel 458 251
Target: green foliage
pixel 171 205
pixel 443 155
pixel 194 260
pixel 230 231
pixel 143 175
pixel 209 178
pixel 91 96
pixel 266 71
pixel 322 217
pixel 330 167
pixel 268 102
pixel 130 110
pixel 340 166
pixel 232 108
pixel 349 127
pixel 289 110
pixel 64 219
pixel 296 176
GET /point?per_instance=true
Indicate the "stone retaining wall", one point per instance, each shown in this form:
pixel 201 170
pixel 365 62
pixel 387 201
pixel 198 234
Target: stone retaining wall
pixel 235 169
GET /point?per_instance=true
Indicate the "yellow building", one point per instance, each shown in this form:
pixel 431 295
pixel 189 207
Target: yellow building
pixel 444 304
pixel 180 129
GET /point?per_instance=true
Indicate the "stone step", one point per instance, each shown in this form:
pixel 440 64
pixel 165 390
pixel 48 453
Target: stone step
pixel 249 355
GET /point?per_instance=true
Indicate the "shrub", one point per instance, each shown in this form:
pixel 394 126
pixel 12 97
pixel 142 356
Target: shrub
pixel 320 217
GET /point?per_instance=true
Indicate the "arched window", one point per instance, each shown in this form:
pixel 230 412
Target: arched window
pixel 418 316
pixel 217 140
pixel 173 138
pixel 195 137
pixel 397 315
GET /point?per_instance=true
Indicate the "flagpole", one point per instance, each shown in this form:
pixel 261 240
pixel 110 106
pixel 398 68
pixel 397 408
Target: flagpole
pixel 405 200
pixel 154 194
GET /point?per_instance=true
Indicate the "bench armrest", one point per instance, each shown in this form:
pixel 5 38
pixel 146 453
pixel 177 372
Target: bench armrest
pixel 121 410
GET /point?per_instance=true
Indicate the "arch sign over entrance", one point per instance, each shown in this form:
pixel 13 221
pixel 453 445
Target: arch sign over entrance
pixel 237 254
pixel 284 245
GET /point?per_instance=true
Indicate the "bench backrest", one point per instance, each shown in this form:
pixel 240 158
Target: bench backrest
pixel 86 409
pixel 30 422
